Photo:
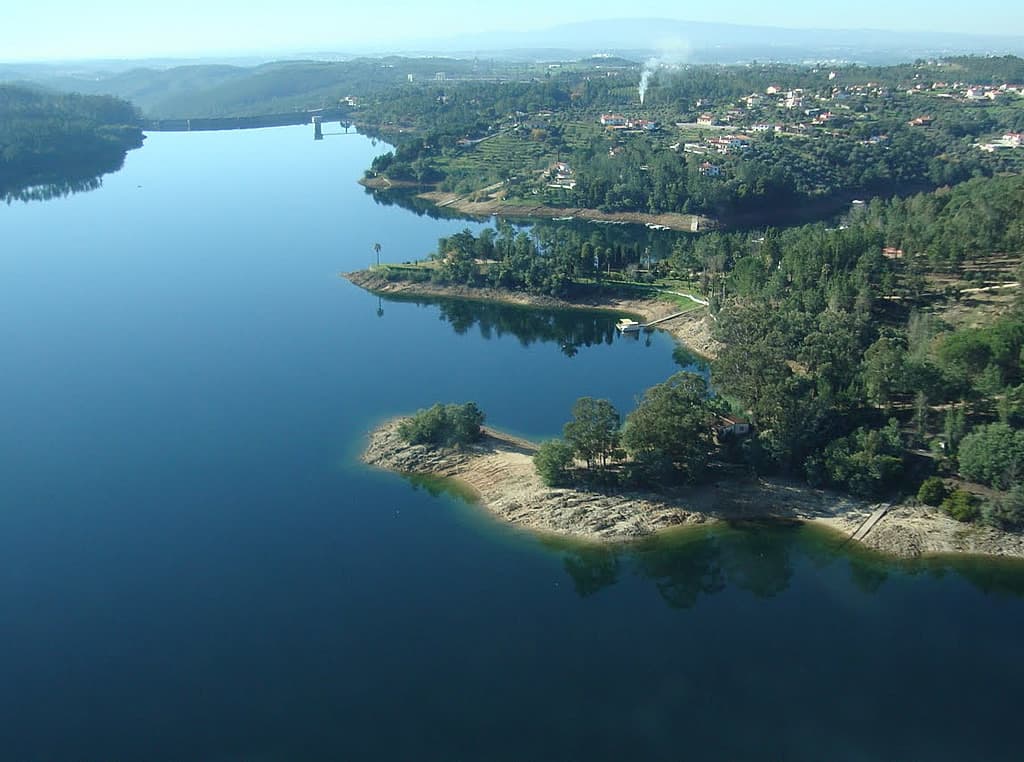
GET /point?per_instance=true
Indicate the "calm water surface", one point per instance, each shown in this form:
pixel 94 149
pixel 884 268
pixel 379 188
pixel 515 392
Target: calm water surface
pixel 193 565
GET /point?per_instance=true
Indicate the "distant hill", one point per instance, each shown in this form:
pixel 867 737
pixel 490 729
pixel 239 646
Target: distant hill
pixel 704 42
pixel 216 90
pixel 241 88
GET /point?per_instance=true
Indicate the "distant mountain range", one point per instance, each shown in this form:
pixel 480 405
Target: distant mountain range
pixel 703 42
pixel 289 80
pixel 637 39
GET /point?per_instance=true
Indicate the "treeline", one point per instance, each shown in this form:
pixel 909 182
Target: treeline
pixel 975 218
pixel 61 140
pixel 818 266
pixel 811 267
pixel 550 260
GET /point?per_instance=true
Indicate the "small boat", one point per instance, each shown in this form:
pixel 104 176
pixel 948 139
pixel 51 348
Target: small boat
pixel 625 325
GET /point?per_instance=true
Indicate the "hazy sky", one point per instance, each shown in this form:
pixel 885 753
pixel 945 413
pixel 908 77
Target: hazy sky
pixel 69 29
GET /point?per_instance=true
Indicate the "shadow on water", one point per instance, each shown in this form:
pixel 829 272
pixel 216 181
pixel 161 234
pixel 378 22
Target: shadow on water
pixel 83 175
pixel 760 558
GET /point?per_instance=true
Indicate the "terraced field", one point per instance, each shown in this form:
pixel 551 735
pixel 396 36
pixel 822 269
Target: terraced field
pixel 495 159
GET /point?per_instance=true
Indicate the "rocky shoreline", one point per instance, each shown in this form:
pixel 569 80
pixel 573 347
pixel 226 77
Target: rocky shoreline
pixel 499 470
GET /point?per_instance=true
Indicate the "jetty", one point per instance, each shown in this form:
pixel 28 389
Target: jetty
pixel 870 522
pixel 665 319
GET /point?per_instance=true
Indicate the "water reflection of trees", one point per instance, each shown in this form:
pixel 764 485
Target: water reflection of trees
pixel 408 200
pixel 85 174
pixel 683 574
pixel 592 569
pixel 570 329
pixel 658 242
pixel 760 559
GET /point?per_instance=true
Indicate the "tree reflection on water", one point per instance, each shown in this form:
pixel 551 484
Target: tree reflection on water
pixel 569 329
pixel 760 558
pixel 80 177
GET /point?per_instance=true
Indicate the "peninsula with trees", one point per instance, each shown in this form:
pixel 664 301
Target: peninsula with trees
pixel 877 362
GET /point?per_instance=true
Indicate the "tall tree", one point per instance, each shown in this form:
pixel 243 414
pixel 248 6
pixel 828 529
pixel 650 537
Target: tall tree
pixel 594 429
pixel 669 433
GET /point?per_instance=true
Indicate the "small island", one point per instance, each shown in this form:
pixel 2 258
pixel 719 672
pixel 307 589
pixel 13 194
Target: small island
pixel 501 471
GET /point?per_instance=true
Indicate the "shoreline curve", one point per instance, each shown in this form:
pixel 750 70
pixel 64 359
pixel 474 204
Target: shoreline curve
pixel 499 471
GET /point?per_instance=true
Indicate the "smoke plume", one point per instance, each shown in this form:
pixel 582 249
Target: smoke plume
pixel 645 78
pixel 674 52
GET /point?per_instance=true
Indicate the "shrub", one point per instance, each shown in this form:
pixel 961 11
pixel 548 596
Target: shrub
pixel 993 455
pixel 932 491
pixel 867 462
pixel 444 425
pixel 961 505
pixel 1005 511
pixel 553 462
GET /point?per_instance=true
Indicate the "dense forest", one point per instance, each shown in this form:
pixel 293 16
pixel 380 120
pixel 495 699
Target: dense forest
pixel 840 345
pixel 52 144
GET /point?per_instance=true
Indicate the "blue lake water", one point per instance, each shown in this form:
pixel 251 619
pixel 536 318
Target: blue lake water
pixel 194 565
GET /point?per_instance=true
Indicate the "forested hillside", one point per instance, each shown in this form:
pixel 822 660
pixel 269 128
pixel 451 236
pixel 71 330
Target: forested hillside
pixel 54 143
pixel 866 355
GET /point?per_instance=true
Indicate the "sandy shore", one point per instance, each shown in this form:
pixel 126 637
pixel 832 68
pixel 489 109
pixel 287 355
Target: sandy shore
pixel 500 471
pixel 693 329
